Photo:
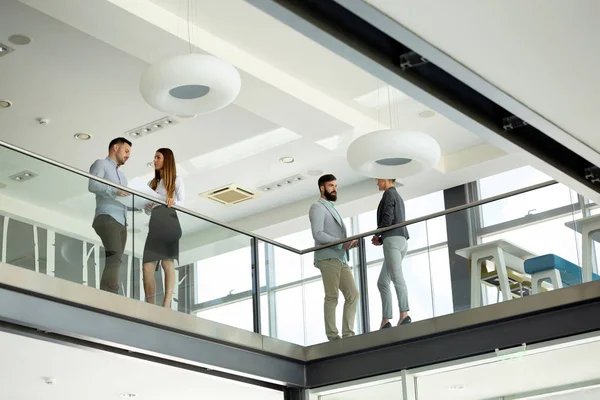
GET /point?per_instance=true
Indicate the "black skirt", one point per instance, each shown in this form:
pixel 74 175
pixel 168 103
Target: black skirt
pixel 164 233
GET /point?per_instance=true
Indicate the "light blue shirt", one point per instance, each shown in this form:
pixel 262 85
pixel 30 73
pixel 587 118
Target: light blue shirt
pixel 105 195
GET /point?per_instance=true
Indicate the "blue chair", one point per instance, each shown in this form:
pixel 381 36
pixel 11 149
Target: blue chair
pixel 551 267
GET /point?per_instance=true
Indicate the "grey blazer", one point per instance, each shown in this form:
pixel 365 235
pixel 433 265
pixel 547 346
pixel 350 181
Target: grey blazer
pixel 326 229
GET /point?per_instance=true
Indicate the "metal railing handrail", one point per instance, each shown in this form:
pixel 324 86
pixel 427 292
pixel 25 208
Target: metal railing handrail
pixel 434 215
pixel 267 240
pixel 136 193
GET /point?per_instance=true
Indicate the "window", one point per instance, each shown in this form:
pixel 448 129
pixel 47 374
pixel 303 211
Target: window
pixel 226 279
pixel 223 275
pixel 530 203
pixel 548 237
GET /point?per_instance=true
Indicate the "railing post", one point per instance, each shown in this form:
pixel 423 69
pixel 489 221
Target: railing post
pixel 255 284
pixel 364 287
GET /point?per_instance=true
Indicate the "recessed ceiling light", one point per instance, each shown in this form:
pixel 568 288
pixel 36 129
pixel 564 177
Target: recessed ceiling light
pixel 82 136
pixel 128 395
pixel 426 114
pixel 287 160
pixel 314 172
pixel 150 164
pixel 456 387
pixel 23 176
pixel 5 104
pixel 5 49
pixel 20 40
pixel 146 130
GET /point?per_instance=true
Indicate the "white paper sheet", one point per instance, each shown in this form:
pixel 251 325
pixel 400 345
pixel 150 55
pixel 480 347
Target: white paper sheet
pixel 138 202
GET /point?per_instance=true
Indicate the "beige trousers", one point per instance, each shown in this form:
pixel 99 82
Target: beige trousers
pixel 337 277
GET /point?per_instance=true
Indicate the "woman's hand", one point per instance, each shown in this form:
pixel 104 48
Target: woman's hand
pixel 149 206
pixel 170 201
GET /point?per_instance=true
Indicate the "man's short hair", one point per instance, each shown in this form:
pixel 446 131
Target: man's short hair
pixel 119 140
pixel 326 178
pixel 392 180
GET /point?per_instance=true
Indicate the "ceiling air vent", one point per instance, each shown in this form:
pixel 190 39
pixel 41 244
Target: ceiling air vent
pixel 290 180
pixel 229 195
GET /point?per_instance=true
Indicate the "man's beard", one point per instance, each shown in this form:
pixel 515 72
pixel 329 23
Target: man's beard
pixel 330 196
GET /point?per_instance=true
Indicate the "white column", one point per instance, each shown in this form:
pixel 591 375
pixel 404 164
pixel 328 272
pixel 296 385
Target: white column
pixel 175 302
pixel 36 249
pixel 51 252
pixel 97 266
pixel 86 259
pixel 409 386
pixel 128 279
pixel 4 238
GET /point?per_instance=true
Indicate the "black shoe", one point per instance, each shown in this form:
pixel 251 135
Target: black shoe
pixel 405 321
pixel 387 325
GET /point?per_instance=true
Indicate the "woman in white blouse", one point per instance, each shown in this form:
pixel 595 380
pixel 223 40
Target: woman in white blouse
pixel 162 243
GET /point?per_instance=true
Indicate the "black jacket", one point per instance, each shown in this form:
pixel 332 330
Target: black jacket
pixel 391 212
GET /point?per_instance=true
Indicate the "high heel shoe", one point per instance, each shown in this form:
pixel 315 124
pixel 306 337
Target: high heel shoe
pixel 406 320
pixel 387 325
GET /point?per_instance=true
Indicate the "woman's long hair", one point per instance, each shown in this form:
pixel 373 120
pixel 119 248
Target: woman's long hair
pixel 168 173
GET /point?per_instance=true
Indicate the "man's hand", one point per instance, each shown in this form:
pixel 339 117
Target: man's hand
pixel 149 206
pixel 122 193
pixel 376 241
pixel 350 244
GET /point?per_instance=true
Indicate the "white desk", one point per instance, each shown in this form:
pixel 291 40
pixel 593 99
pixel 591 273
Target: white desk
pixel 503 253
pixel 587 227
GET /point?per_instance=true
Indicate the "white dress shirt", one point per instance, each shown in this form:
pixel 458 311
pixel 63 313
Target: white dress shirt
pixel 179 194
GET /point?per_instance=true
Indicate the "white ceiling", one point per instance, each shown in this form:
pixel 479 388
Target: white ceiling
pixel 537 372
pixel 82 72
pixel 96 375
pixel 543 53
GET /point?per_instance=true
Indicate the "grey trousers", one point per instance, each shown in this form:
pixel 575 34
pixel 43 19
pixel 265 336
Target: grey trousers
pixel 394 250
pixel 114 238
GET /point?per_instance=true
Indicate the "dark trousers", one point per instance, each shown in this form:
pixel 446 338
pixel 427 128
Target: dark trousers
pixel 114 238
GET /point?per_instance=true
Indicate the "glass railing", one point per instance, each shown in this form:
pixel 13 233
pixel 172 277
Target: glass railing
pixel 455 260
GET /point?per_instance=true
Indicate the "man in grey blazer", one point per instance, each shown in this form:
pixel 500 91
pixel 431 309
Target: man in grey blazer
pixel 327 226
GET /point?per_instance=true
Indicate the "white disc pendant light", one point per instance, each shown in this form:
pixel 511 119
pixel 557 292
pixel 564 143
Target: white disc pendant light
pixel 190 84
pixel 393 153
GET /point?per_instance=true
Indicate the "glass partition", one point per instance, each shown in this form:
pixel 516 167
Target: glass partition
pixel 453 261
pixel 47 218
pixel 456 261
pixel 52 223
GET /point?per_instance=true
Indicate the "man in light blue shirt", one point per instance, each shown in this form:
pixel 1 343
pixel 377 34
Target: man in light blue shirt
pixel 328 226
pixel 110 220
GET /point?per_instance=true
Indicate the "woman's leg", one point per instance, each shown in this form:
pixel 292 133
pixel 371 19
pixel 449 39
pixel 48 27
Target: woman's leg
pixel 169 269
pixel 383 284
pixel 149 281
pixel 394 249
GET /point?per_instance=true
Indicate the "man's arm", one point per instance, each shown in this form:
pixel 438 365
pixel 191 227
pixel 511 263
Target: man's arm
pixel 96 187
pixel 317 225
